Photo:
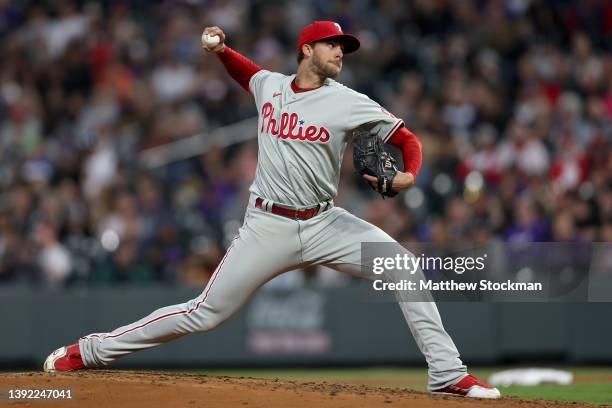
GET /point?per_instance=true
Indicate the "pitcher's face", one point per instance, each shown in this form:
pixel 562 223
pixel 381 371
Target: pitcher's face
pixel 327 58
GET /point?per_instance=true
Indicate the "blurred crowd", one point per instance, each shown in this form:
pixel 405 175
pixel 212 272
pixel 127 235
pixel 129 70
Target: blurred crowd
pixel 512 100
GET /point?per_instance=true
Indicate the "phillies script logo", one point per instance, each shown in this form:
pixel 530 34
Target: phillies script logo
pixel 290 127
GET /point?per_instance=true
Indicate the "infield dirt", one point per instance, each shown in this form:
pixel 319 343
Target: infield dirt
pixel 106 388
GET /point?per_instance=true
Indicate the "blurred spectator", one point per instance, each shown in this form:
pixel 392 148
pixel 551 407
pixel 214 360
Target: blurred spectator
pixel 564 227
pixel 54 259
pixel 528 225
pixel 123 265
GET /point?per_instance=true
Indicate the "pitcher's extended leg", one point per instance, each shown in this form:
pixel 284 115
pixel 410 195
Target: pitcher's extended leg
pixel 266 246
pixel 337 244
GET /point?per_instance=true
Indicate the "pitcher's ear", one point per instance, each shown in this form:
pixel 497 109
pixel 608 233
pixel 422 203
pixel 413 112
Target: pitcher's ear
pixel 307 50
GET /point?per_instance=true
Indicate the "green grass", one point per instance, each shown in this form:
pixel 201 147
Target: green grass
pixel 595 393
pixel 591 385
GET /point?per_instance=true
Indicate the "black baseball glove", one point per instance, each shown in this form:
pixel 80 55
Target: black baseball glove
pixel 370 157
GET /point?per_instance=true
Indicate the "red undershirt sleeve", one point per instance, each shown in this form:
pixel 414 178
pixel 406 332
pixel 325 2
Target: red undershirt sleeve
pixel 411 148
pixel 238 66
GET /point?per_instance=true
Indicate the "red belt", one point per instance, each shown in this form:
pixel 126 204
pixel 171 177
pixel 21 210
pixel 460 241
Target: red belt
pixel 303 214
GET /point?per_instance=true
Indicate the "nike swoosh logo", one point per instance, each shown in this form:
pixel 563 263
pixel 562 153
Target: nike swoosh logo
pixel 275 94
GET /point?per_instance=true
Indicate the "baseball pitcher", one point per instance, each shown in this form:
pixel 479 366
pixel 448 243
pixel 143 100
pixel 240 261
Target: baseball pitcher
pixel 306 120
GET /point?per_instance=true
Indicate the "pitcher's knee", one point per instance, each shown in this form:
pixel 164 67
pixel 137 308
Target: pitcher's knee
pixel 205 319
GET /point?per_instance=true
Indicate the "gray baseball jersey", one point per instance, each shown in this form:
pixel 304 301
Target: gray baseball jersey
pixel 302 138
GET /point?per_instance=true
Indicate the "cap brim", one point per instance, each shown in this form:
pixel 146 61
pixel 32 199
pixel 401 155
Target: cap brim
pixel 350 42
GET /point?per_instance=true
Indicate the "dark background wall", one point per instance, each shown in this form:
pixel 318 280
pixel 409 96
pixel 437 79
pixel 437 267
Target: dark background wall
pixel 306 326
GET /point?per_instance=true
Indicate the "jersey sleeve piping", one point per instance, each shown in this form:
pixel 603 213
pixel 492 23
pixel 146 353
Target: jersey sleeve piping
pixel 397 125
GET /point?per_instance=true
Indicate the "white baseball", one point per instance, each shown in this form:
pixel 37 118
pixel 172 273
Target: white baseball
pixel 210 40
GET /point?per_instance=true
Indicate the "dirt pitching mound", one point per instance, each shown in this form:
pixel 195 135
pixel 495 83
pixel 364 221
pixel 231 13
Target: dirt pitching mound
pixel 101 388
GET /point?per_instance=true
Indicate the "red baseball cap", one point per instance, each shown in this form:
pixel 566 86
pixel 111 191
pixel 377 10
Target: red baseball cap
pixel 326 30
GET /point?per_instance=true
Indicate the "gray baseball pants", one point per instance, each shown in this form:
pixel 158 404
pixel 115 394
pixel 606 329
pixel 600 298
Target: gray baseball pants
pixel 266 246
